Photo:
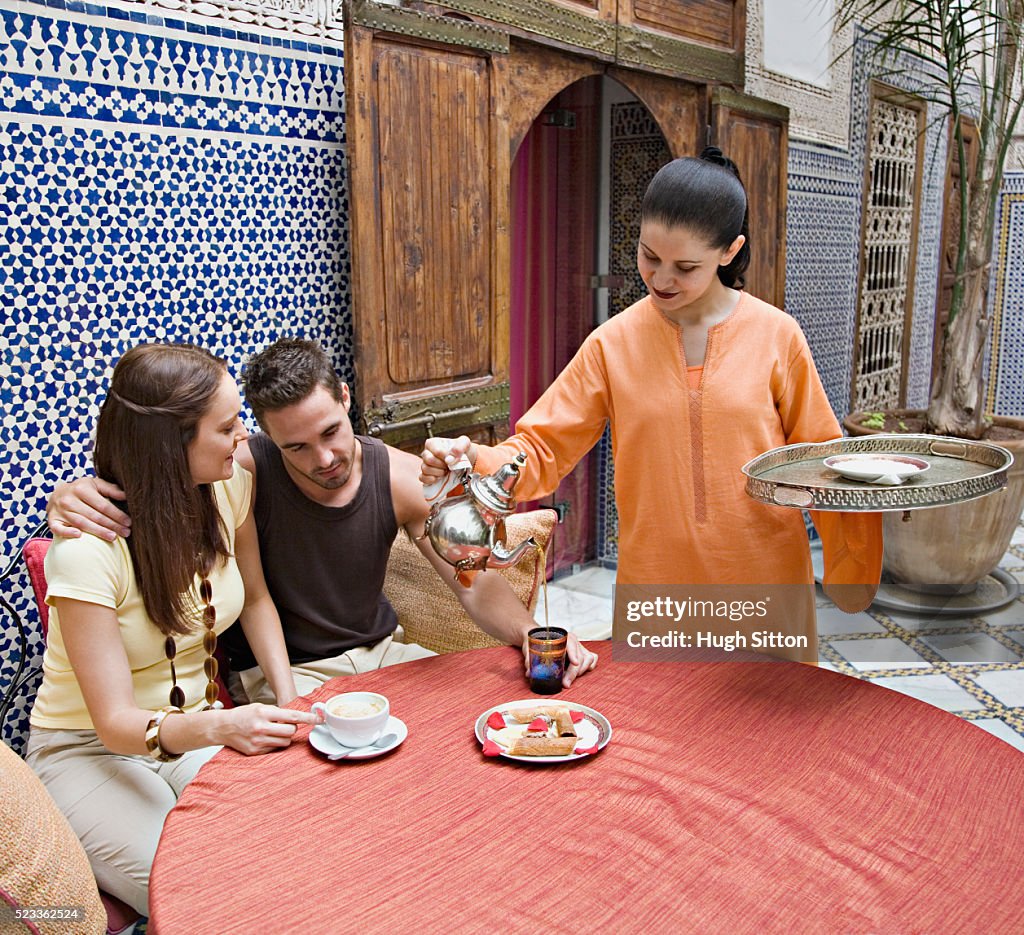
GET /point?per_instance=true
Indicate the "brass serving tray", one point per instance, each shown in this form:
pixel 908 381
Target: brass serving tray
pixel 959 470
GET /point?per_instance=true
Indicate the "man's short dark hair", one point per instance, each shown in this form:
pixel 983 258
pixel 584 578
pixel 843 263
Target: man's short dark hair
pixel 285 373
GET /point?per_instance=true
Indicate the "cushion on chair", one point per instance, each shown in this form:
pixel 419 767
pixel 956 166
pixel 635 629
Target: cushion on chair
pixel 427 609
pixel 35 554
pixel 42 862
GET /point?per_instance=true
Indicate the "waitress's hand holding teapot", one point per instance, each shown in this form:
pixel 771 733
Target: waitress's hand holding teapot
pixel 440 454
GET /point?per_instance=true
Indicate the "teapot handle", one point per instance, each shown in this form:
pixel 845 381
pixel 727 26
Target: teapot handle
pixel 455 476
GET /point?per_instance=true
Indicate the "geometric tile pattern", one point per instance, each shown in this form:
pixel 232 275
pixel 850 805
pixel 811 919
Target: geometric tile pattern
pixel 823 246
pixel 637 150
pixel 1006 373
pixel 163 179
pixel 973 667
pixel 823 240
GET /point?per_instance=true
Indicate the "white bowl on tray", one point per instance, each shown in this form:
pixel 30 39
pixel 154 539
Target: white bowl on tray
pixel 877 468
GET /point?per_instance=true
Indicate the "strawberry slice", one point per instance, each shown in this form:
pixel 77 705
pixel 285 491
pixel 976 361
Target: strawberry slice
pixel 496 720
pixel 490 748
pixel 538 723
pixel 576 716
pixel 585 751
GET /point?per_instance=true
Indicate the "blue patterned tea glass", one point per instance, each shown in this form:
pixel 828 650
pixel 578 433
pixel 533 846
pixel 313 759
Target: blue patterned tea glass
pixel 547 659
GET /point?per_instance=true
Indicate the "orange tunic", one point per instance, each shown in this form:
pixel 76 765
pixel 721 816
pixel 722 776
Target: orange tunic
pixel 684 516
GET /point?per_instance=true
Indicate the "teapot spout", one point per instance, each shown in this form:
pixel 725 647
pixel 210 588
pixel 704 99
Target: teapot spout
pixel 501 558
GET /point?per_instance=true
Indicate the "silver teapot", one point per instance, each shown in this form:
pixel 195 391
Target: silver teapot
pixel 468 531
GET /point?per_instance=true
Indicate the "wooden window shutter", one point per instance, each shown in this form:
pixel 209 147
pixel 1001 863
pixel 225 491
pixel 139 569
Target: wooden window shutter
pixel 430 323
pixel 754 134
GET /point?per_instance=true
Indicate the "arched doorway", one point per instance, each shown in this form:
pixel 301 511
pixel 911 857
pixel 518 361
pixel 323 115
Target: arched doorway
pixel 576 182
pixel 433 129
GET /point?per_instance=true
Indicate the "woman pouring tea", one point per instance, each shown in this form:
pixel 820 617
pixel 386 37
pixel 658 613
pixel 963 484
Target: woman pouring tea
pixel 694 380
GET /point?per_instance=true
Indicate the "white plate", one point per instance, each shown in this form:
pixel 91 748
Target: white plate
pixel 593 730
pixel 320 739
pixel 883 468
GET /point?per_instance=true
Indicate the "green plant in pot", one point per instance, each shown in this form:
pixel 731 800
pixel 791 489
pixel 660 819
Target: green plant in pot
pixel 975 51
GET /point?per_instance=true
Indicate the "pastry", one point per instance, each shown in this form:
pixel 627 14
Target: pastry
pixel 529 745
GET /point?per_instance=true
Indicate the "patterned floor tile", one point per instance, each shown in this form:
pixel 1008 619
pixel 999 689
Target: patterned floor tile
pixel 832 622
pixel 1005 686
pixel 938 690
pixel 885 653
pixel 970 648
pixel 1001 730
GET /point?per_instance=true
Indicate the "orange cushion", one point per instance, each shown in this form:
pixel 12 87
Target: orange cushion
pixel 42 862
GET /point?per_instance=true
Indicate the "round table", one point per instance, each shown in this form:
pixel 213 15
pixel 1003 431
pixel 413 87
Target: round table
pixel 734 797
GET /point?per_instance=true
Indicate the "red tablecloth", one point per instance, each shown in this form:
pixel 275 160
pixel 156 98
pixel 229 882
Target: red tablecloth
pixel 733 797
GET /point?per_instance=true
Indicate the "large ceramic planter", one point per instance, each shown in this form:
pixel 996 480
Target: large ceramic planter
pixel 949 549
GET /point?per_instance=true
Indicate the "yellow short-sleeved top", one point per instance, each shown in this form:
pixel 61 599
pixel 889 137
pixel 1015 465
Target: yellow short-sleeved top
pixel 100 572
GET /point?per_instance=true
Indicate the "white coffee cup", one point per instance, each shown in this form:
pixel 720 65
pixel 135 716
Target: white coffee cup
pixel 355 719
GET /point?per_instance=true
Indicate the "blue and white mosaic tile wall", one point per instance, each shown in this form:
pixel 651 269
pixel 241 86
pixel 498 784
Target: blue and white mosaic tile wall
pixel 822 246
pixel 826 189
pixel 1006 374
pixel 823 249
pixel 164 179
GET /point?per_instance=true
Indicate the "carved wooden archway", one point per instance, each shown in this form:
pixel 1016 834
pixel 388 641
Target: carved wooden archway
pixel 432 130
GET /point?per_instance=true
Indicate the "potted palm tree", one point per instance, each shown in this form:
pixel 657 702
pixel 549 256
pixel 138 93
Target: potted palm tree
pixel 975 51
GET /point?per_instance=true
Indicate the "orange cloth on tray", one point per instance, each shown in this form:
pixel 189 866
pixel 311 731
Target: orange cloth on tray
pixel 684 515
pixel 852 549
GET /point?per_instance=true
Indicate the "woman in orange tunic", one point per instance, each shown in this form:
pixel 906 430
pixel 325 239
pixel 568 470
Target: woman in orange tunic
pixel 695 379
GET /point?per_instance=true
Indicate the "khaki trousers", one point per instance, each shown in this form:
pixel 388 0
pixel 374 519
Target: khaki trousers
pixel 115 804
pixel 250 685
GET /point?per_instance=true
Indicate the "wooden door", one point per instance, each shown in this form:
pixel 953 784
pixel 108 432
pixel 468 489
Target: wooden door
pixel 754 135
pixel 428 179
pixel 951 230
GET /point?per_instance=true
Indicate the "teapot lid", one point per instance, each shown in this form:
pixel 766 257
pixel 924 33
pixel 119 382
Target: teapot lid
pixel 495 490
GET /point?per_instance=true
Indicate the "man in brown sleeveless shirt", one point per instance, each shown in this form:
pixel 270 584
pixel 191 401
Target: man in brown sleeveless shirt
pixel 328 504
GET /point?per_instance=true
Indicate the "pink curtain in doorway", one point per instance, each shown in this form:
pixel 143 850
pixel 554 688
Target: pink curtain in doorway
pixel 553 201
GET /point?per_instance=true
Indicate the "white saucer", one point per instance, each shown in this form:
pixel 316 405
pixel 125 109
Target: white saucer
pixel 884 468
pixel 320 739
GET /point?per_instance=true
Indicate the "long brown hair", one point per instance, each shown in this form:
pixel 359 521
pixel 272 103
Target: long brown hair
pixel 157 396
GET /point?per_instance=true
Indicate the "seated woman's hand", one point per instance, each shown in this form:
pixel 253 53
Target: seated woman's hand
pixel 260 728
pixel 85 505
pixel 578 659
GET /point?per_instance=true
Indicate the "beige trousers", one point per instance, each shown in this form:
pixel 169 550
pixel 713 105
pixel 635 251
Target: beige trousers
pixel 115 804
pixel 250 685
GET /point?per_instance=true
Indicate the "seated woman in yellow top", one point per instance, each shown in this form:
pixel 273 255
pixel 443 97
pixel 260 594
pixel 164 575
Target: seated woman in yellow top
pixel 125 714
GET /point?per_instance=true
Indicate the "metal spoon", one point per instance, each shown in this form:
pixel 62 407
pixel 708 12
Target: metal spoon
pixel 384 741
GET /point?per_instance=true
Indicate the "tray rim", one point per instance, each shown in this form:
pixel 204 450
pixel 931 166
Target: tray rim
pixel 878 499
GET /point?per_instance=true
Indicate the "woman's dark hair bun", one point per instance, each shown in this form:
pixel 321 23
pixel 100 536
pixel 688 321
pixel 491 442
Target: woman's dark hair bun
pixel 706 196
pixel 715 155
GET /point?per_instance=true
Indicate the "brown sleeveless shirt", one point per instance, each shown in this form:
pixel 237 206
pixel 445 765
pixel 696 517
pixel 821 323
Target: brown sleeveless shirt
pixel 324 565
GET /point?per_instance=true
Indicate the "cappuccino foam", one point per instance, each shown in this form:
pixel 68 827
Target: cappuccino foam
pixel 355 708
